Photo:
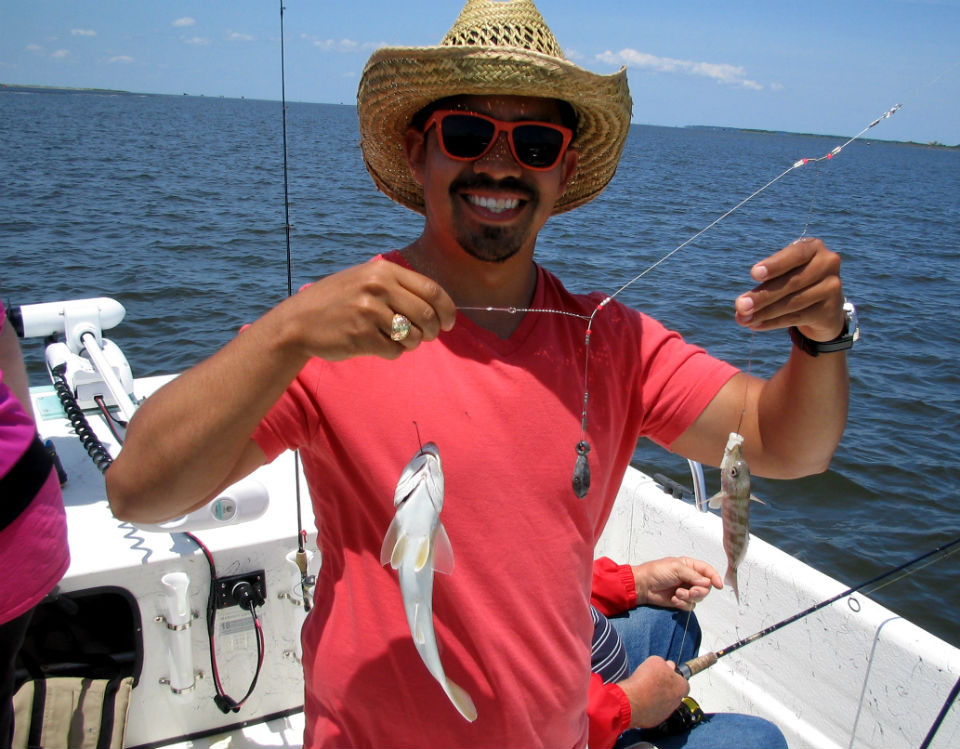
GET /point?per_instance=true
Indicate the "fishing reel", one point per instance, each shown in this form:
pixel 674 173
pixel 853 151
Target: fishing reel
pixel 686 716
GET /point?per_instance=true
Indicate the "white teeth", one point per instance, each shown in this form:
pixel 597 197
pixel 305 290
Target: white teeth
pixel 494 205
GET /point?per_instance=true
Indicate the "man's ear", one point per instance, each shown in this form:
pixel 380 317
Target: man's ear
pixel 570 160
pixel 415 147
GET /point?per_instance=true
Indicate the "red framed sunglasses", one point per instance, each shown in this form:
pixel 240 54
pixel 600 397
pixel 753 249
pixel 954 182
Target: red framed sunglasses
pixel 468 136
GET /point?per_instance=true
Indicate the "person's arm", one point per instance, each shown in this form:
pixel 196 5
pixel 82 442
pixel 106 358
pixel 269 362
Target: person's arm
pixel 608 713
pixel 12 366
pixel 613 589
pixel 791 423
pixel 192 438
pixel 644 699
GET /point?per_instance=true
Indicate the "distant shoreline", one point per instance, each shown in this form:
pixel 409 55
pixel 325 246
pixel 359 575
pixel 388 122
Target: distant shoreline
pixel 21 88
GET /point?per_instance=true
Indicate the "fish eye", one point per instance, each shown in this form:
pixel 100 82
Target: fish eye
pixel 735 471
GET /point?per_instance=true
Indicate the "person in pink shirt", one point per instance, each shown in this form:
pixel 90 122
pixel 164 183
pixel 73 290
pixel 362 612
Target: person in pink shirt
pixel 461 338
pixel 33 528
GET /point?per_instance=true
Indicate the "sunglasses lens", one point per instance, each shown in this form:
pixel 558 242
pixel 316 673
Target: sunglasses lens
pixel 466 136
pixel 538 146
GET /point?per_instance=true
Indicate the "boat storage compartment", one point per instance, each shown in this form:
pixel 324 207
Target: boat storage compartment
pixel 80 660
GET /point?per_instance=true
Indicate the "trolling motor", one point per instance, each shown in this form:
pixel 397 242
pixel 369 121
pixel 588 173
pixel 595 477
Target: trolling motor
pixel 98 379
pixel 93 367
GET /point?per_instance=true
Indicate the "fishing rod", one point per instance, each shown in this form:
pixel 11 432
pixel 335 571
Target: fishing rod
pixel 943 714
pixel 703 662
pixel 301 555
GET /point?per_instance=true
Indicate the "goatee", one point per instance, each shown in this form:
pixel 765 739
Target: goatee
pixel 495 243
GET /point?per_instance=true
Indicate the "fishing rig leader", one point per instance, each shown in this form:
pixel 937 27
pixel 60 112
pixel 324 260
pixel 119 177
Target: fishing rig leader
pixel 581 471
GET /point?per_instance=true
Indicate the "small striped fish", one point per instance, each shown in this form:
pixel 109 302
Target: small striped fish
pixel 734 500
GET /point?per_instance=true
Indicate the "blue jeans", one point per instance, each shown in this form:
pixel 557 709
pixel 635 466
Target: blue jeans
pixel 675 635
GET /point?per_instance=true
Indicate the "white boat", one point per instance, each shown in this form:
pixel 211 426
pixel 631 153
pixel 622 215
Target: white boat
pixel 853 674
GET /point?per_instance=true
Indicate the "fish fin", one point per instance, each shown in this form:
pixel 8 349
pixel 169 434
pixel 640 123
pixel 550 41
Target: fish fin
pixel 731 579
pixel 418 634
pixel 461 700
pixel 422 555
pixel 442 551
pixel 716 501
pixel 398 551
pixel 390 543
pixel 755 498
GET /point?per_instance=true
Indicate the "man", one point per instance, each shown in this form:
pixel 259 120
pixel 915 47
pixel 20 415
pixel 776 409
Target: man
pixel 349 369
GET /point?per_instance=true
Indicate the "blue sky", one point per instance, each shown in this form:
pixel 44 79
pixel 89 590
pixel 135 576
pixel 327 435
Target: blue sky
pixel 822 67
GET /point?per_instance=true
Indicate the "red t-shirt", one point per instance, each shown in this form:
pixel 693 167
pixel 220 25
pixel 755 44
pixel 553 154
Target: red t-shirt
pixel 512 621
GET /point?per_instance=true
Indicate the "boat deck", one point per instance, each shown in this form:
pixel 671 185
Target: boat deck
pixel 853 674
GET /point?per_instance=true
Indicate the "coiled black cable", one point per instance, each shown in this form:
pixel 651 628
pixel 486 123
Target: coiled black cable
pixel 94 447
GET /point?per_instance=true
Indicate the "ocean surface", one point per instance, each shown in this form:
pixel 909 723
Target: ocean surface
pixel 175 207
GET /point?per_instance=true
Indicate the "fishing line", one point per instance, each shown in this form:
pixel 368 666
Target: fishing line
pixel 301 556
pixel 581 472
pixel 703 662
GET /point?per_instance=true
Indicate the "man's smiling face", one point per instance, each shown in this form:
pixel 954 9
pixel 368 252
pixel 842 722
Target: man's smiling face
pixel 493 206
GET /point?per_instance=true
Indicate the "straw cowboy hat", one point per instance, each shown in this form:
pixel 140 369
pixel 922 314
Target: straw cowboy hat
pixel 494 48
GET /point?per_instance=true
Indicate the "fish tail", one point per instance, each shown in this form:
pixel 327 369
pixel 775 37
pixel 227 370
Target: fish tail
pixel 461 700
pixel 731 579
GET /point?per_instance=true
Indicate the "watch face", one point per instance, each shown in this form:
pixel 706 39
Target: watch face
pixel 853 324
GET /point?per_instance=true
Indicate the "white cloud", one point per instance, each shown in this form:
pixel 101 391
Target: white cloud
pixel 123 59
pixel 61 54
pixel 236 36
pixel 83 32
pixel 732 75
pixel 332 45
pixel 346 45
pixel 34 48
pixel 184 22
pixel 198 40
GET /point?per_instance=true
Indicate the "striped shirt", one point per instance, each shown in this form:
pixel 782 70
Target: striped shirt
pixel 607 656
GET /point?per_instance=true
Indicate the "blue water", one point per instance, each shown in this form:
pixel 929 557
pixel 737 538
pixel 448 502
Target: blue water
pixel 174 206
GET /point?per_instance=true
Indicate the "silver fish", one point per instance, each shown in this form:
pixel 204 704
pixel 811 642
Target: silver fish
pixel 416 545
pixel 734 500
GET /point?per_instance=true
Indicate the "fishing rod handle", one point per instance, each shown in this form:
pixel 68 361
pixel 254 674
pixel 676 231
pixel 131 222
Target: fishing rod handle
pixel 696 665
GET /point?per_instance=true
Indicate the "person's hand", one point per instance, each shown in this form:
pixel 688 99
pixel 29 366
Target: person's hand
pixel 350 313
pixel 799 285
pixel 654 690
pixel 674 582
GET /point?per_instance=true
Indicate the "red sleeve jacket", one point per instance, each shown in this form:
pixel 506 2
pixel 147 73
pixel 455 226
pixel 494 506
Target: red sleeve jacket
pixel 608 709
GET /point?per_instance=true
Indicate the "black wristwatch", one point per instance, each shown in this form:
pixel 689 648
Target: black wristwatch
pixel 848 336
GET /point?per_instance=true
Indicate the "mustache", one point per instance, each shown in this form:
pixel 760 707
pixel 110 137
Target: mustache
pixel 483 182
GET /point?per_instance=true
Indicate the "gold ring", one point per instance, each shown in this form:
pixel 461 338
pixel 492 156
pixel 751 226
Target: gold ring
pixel 399 328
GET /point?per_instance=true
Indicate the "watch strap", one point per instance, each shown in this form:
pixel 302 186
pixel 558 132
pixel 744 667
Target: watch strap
pixel 809 346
